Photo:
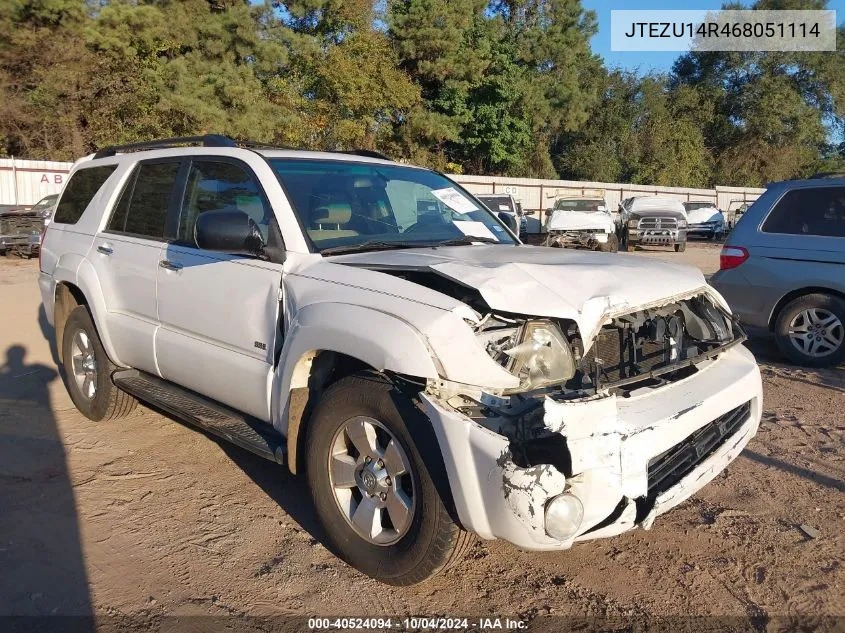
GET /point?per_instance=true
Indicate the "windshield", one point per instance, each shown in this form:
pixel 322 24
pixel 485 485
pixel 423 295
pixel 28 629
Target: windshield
pixel 579 205
pixel 357 206
pixel 498 203
pixel 694 206
pixel 45 203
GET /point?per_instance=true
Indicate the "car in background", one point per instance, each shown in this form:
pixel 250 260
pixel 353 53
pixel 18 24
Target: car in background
pixel 704 220
pixel 44 208
pixel 581 222
pixel 736 209
pixel 782 269
pixel 654 220
pixel 506 203
pixel 20 232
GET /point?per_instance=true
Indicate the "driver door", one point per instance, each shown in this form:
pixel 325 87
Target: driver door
pixel 219 313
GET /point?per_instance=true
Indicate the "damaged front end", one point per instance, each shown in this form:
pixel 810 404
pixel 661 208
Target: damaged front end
pixel 601 435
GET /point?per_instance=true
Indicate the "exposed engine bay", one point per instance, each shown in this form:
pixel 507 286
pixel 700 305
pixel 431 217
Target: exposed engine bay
pixel 651 345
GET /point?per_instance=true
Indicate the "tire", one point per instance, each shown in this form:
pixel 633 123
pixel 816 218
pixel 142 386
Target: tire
pixel 430 540
pixel 611 246
pixel 81 344
pixel 793 317
pixel 680 248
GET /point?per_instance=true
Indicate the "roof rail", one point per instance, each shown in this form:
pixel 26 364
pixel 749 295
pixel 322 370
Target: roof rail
pixel 369 153
pixel 212 140
pixel 828 174
pixel 206 140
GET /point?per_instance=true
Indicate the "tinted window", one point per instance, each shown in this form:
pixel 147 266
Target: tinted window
pixel 215 186
pixel 80 189
pixel 142 209
pixel 816 211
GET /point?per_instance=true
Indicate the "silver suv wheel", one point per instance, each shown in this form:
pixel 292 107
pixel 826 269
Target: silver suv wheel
pixel 816 332
pixel 371 480
pixel 84 364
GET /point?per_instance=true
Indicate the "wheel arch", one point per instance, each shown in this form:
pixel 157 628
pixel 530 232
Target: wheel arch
pixel 328 341
pixel 795 294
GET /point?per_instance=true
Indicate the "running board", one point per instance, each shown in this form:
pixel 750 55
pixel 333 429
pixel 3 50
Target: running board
pixel 211 416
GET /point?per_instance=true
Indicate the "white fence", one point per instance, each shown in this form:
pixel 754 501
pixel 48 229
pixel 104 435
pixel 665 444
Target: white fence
pixel 537 195
pixel 25 182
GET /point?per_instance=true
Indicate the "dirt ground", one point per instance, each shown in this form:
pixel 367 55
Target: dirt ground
pixel 139 521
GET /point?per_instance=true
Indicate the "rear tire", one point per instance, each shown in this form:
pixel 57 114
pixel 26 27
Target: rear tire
pixel 88 371
pixel 680 248
pixel 425 540
pixel 800 318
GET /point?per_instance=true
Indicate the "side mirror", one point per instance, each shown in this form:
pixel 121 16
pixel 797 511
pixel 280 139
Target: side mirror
pixel 508 220
pixel 228 231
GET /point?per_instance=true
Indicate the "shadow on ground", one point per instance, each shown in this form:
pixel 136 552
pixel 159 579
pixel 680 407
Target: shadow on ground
pixel 42 567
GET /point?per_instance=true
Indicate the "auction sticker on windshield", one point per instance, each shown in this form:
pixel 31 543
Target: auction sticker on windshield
pixel 454 200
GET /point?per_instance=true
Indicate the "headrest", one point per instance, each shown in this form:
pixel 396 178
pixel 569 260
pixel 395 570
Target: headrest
pixel 332 213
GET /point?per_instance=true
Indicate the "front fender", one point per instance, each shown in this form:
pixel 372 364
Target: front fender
pixel 381 340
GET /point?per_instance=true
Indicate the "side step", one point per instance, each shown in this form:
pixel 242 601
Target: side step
pixel 248 433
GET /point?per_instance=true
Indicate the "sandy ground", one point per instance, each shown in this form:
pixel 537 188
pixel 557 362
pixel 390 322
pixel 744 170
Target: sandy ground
pixel 142 520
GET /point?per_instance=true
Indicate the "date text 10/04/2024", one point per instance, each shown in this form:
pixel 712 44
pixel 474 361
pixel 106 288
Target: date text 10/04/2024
pixel 418 624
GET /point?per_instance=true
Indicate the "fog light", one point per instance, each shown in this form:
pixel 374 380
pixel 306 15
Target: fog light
pixel 564 514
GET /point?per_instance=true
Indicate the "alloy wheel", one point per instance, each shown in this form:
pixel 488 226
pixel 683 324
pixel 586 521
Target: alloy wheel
pixel 816 332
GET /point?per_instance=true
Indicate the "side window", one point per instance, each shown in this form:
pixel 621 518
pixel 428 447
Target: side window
pixel 142 209
pixel 79 191
pixel 214 185
pixel 815 211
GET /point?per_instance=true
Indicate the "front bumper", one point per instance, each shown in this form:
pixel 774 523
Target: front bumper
pixel 587 238
pixel 610 442
pixel 704 229
pixel 26 242
pixel 656 236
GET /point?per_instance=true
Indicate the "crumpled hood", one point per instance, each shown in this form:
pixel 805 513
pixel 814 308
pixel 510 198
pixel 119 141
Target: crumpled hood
pixel 658 213
pixel 583 286
pixel 707 214
pixel 579 220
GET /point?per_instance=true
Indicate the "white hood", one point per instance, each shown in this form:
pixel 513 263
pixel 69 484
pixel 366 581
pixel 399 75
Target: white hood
pixel 564 220
pixel 582 286
pixel 706 214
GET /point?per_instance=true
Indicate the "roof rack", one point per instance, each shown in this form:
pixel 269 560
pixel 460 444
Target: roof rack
pixel 212 140
pixel 207 140
pixel 828 174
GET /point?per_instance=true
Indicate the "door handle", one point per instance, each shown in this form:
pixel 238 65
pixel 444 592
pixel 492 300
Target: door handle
pixel 105 249
pixel 164 263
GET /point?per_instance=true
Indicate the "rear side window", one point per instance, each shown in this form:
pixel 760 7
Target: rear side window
pixel 79 191
pixel 817 211
pixel 142 209
pixel 214 185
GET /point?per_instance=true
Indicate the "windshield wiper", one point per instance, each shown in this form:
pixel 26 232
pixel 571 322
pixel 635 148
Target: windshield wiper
pixel 370 245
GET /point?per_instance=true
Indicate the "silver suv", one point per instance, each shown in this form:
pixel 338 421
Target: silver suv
pixel 783 268
pixel 373 326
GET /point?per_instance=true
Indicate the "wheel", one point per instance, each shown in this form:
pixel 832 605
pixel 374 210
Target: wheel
pixel 680 248
pixel 610 246
pixel 810 330
pixel 88 370
pixel 375 474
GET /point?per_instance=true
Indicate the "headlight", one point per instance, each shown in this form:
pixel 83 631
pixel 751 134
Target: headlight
pixel 682 224
pixel 633 223
pixel 542 357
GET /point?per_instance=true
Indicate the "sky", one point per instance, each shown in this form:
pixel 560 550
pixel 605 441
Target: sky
pixel 643 62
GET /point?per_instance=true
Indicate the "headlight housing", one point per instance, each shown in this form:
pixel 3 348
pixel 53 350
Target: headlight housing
pixel 633 223
pixel 682 224
pixel 542 357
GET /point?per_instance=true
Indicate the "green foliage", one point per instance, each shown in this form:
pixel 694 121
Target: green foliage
pixel 473 86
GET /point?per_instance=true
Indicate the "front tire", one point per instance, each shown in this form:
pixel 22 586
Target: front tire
pixel 810 330
pixel 88 370
pixel 680 248
pixel 375 474
pixel 611 245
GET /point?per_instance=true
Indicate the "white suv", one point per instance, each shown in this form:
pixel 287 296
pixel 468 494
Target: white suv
pixel 374 326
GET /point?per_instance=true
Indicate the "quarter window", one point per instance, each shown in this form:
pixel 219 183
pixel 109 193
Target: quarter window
pixel 213 186
pixel 814 211
pixel 142 209
pixel 80 190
